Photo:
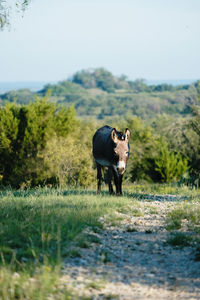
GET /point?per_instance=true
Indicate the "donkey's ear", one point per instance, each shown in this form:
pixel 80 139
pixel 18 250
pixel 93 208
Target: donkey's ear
pixel 114 136
pixel 127 134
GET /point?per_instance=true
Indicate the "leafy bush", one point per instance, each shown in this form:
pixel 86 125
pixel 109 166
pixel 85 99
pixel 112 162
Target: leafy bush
pixel 39 143
pixel 143 151
pixel 68 161
pixel 150 157
pixel 183 137
pixel 170 165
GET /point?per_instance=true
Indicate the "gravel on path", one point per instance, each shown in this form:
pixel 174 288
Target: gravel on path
pixel 133 260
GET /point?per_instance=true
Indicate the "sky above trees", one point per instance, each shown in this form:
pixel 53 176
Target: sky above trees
pixel 151 39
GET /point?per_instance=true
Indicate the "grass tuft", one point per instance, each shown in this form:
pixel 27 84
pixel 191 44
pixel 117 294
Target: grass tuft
pixel 179 239
pixel 186 214
pixel 96 284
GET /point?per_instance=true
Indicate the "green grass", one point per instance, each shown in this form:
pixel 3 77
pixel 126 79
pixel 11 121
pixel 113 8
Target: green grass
pixel 180 239
pixel 184 214
pixel 40 227
pixel 140 189
pixel 185 218
pixel 132 210
pixel 96 284
pixel 43 284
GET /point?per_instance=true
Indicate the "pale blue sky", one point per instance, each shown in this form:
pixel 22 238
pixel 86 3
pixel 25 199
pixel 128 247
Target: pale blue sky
pixel 151 39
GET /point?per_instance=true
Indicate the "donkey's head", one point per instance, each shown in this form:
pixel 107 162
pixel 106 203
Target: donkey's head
pixel 121 149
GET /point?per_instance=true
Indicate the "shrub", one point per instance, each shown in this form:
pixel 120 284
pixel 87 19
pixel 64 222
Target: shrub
pixel 67 160
pixel 25 132
pixel 143 152
pixel 170 165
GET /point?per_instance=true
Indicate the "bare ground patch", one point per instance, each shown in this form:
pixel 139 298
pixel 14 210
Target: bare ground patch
pixel 131 258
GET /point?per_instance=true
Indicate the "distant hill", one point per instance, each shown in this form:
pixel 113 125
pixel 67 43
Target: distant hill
pixel 98 93
pixel 34 86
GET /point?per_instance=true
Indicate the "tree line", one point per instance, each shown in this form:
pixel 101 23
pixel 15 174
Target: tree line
pixel 99 94
pixel 44 143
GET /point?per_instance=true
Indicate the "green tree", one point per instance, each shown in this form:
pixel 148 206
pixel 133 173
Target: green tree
pixel 6 8
pixel 139 85
pixel 24 132
pixel 66 161
pixel 9 131
pixel 100 78
pixel 170 165
pixel 150 158
pixel 144 150
pixel 194 124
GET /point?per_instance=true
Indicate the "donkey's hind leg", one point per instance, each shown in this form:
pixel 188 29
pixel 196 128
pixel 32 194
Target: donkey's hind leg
pixel 99 178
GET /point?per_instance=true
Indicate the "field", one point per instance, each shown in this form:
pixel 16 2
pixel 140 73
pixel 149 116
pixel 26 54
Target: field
pixel 73 244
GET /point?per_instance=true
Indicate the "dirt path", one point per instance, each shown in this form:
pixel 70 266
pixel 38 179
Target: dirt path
pixel 133 260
